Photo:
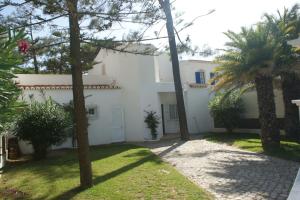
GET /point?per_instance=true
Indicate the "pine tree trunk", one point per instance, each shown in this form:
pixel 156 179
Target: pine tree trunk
pixel 270 135
pixel 291 90
pixel 60 69
pixel 78 98
pixel 176 71
pixel 35 62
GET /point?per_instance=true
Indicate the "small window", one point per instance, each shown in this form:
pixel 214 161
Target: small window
pixel 173 112
pixel 200 77
pixel 91 112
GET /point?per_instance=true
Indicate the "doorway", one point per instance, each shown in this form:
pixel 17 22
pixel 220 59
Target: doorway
pixel 118 133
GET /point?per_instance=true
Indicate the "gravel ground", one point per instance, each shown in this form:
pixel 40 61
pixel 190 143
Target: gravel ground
pixel 227 172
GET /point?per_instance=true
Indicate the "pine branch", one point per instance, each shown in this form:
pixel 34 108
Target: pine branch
pixel 40 22
pixel 128 41
pixel 108 14
pixel 123 50
pixel 10 3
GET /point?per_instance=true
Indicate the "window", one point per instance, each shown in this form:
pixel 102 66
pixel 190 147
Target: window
pixel 212 75
pixel 200 77
pixel 173 112
pixel 91 111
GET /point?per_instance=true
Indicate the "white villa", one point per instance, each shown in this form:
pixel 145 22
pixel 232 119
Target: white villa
pixel 122 86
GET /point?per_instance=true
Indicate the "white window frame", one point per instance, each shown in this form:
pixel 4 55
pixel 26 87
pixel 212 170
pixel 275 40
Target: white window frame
pixel 92 116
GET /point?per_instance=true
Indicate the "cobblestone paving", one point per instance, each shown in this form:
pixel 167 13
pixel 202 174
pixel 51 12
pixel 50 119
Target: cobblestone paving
pixel 227 172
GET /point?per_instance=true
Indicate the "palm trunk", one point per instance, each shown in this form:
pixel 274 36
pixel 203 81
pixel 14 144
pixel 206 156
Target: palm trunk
pixel 270 135
pixel 78 97
pixel 176 71
pixel 291 90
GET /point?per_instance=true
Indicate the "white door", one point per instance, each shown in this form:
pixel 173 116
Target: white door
pixel 118 134
pixel 171 118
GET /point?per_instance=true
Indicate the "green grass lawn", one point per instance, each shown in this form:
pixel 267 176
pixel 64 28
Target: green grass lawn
pixel 119 172
pixel 289 150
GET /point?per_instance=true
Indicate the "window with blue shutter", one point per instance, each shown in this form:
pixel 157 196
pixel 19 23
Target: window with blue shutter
pixel 200 77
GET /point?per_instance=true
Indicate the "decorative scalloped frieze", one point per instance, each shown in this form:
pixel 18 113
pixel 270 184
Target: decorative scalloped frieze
pixel 66 87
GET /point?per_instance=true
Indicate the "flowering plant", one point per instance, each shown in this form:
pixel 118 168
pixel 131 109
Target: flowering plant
pixel 23 46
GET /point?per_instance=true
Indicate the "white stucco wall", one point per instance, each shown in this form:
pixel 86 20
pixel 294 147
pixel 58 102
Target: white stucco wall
pixel 189 67
pixel 149 97
pixel 164 68
pixel 57 79
pixel 136 75
pixel 146 82
pixel 251 106
pixel 100 128
pixel 199 119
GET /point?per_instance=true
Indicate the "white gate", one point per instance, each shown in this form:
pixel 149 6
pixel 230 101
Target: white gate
pixel 118 134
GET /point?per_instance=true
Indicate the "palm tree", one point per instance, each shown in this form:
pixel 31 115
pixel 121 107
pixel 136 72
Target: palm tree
pixel 249 61
pixel 285 27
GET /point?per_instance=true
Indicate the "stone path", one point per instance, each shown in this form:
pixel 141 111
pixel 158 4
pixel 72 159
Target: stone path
pixel 227 172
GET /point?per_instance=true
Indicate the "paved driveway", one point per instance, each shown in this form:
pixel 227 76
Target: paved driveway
pixel 227 172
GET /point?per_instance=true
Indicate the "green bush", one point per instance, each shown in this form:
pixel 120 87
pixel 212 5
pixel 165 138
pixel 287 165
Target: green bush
pixel 152 121
pixel 43 124
pixel 226 109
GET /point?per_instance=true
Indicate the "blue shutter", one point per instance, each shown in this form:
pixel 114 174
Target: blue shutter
pixel 198 77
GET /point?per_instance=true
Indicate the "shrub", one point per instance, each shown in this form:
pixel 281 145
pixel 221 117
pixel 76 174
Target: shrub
pixel 226 109
pixel 42 124
pixel 152 121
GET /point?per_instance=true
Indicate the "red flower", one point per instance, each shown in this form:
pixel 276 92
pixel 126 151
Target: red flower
pixel 23 46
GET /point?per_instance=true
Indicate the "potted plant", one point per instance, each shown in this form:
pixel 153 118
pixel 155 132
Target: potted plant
pixel 152 121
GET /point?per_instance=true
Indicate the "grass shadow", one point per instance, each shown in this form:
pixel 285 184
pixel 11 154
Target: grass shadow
pixel 66 167
pixel 101 179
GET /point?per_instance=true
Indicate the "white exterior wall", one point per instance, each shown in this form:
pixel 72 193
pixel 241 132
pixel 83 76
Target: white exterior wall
pixel 57 79
pixel 198 116
pixel 196 99
pixel 189 67
pixel 136 75
pixel 251 106
pixel 164 68
pixel 146 82
pixel 100 127
pixel 149 97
